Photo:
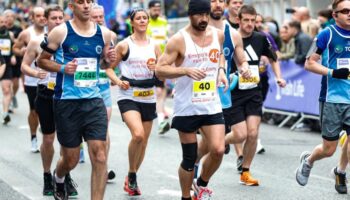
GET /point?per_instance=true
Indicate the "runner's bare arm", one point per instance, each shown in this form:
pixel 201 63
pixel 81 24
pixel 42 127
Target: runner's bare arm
pixel 29 57
pixel 19 46
pixel 221 72
pixel 121 50
pixel 312 65
pixel 277 71
pixel 54 41
pixel 239 55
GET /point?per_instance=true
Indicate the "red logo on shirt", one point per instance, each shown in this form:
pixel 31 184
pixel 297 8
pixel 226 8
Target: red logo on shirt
pixel 214 55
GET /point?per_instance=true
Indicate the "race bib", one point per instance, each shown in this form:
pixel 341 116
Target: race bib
pixel 85 75
pixel 203 91
pixel 144 93
pixel 159 33
pixel 252 82
pixel 52 81
pixel 343 63
pixel 103 78
pixel 5 47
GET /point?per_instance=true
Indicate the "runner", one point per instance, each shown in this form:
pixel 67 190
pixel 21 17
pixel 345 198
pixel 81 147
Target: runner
pixel 98 16
pixel 44 101
pixel 6 42
pixel 136 57
pixel 247 97
pixel 233 49
pixel 10 17
pixel 78 46
pixel 233 7
pixel 196 51
pixel 36 31
pixel 158 31
pixel 333 40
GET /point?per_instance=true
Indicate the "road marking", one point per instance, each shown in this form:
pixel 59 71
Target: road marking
pixel 173 193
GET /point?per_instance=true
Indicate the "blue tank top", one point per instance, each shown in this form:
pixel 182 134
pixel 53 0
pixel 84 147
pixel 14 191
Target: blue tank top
pixel 88 51
pixel 335 43
pixel 229 49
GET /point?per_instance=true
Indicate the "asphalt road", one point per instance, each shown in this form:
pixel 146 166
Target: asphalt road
pixel 21 170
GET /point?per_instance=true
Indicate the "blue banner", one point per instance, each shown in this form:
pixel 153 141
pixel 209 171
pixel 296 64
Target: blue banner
pixel 301 93
pixel 110 10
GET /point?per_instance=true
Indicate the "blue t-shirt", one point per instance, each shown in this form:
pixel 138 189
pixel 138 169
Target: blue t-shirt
pixel 88 50
pixel 335 44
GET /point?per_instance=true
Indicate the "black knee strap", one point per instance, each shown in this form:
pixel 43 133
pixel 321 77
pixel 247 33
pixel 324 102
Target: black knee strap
pixel 189 156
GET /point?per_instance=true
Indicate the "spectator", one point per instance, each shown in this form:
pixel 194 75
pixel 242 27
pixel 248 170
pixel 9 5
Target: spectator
pixel 302 41
pixel 308 25
pixel 325 18
pixel 288 45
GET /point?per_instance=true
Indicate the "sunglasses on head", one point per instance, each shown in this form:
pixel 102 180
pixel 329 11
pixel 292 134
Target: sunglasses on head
pixel 344 11
pixel 136 10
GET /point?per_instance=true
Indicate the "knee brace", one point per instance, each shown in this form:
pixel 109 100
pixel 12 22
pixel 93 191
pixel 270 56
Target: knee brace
pixel 189 156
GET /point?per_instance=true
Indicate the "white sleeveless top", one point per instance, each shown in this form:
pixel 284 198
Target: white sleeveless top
pixel 28 80
pixel 198 97
pixel 135 67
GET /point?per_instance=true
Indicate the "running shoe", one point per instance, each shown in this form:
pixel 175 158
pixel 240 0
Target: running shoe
pixel 48 186
pixel 164 126
pixel 303 171
pixel 239 164
pixel 131 188
pixel 6 119
pixel 59 189
pixel 71 186
pixel 110 175
pixel 340 181
pixel 260 148
pixel 201 193
pixel 247 179
pixel 34 148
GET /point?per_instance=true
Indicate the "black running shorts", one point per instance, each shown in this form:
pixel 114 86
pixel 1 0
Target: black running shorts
pixel 190 124
pixel 147 110
pixel 80 118
pixel 228 120
pixel 44 108
pixel 246 105
pixel 31 94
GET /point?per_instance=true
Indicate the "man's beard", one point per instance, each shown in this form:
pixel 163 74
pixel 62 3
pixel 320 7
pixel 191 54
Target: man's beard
pixel 202 26
pixel 216 17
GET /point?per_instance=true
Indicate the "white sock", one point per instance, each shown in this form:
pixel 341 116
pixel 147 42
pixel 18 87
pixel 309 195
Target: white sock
pixel 339 171
pixel 160 118
pixel 58 179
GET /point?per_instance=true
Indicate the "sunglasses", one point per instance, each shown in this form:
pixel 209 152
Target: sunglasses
pixel 344 11
pixel 136 10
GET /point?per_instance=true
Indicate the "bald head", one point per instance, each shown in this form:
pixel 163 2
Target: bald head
pixel 37 10
pixel 304 13
pixel 38 17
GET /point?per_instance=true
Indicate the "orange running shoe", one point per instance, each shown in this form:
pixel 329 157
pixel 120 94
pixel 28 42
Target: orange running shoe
pixel 131 188
pixel 247 179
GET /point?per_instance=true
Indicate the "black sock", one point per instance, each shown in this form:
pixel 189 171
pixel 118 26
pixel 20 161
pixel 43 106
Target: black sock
pixel 47 173
pixel 33 136
pixel 201 183
pixel 132 177
pixel 240 157
pixel 188 198
pixel 245 170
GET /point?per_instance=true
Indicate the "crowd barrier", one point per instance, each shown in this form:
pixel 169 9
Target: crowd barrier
pixel 298 98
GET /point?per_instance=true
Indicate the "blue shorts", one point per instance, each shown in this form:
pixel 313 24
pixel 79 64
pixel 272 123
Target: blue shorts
pixel 106 96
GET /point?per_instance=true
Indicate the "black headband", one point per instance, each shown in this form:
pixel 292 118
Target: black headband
pixel 198 7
